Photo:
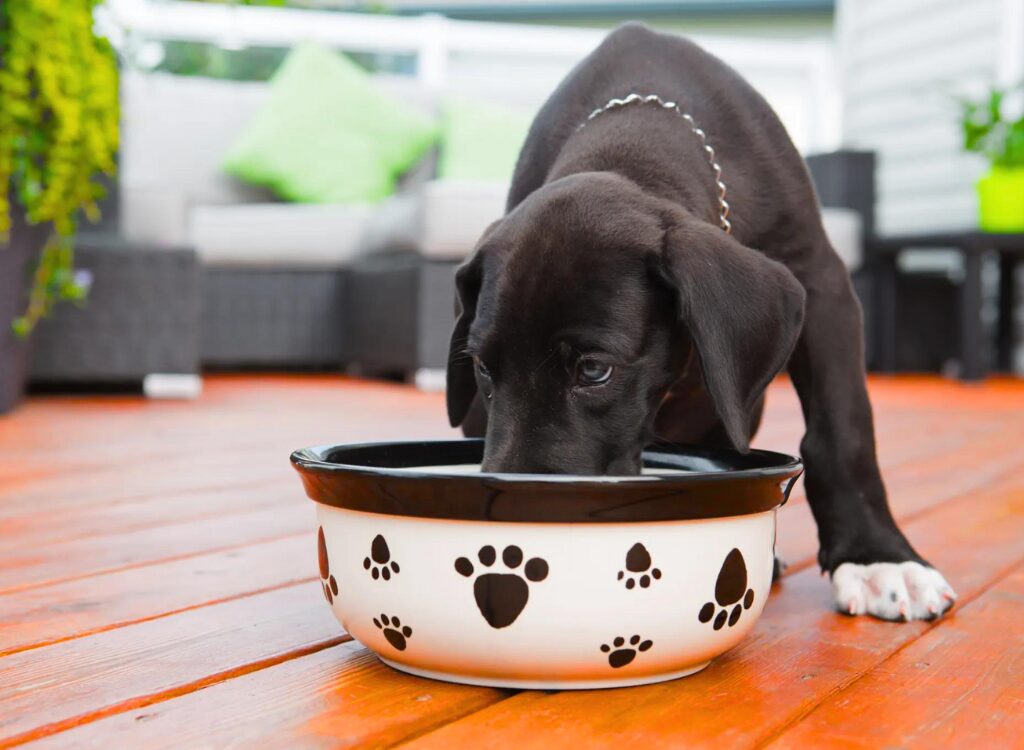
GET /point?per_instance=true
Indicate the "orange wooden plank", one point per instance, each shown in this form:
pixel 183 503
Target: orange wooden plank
pixel 111 486
pixel 799 653
pixel 969 415
pixel 68 524
pixel 47 614
pixel 51 563
pixel 59 611
pixel 960 685
pixel 950 446
pixel 338 697
pixel 56 687
pixel 913 490
pixel 99 451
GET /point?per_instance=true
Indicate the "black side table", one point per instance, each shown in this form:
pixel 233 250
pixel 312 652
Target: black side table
pixel 973 246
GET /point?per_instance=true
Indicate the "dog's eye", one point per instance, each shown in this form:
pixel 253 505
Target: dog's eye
pixel 592 371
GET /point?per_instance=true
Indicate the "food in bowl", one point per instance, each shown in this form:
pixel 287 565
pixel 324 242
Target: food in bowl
pixel 543 580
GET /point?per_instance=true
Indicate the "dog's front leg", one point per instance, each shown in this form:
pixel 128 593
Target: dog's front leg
pixel 873 567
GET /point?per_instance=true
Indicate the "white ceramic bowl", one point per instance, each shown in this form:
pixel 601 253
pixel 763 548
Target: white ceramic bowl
pixel 544 581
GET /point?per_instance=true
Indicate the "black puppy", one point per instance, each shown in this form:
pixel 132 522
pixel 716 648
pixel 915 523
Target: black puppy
pixel 620 300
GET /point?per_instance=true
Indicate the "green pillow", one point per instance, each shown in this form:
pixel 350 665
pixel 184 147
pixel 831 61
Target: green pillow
pixel 480 141
pixel 327 135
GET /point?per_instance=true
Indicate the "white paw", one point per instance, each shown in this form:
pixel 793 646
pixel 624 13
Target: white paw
pixel 892 591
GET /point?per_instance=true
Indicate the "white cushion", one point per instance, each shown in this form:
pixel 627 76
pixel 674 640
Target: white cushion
pixel 444 219
pixel 394 226
pixel 440 219
pixel 176 131
pixel 844 228
pixel 453 214
pixel 279 234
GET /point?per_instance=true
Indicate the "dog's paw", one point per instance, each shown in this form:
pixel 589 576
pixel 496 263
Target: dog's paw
pixel 892 591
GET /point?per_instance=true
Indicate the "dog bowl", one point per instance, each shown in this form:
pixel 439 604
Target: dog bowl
pixel 544 581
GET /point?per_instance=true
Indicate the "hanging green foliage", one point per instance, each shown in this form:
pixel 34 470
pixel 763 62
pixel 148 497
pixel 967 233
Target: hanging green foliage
pixel 58 132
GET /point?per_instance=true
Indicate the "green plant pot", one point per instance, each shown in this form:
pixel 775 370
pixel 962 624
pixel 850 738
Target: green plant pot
pixel 1001 200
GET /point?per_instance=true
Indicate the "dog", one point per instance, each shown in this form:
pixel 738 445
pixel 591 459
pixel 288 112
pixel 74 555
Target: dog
pixel 621 300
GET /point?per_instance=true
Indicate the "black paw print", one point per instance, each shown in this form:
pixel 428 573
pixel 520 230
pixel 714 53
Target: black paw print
pixel 729 589
pixel 396 633
pixel 638 561
pixel 330 585
pixel 501 597
pixel 381 555
pixel 624 654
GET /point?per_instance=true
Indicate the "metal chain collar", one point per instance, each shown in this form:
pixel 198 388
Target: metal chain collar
pixel 723 207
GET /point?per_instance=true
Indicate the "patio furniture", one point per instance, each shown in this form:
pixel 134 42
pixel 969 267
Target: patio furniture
pixel 973 247
pixel 159 570
pixel 18 254
pixel 259 252
pixel 272 292
pixel 275 289
pixel 141 319
pixel 401 310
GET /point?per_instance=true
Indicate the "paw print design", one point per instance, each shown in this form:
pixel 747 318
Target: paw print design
pixel 638 568
pixel 624 653
pixel 501 597
pixel 330 585
pixel 379 563
pixel 730 588
pixel 397 634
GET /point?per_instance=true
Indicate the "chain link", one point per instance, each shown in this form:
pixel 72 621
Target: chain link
pixel 723 206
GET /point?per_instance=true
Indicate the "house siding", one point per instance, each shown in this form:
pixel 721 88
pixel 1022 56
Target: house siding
pixel 900 64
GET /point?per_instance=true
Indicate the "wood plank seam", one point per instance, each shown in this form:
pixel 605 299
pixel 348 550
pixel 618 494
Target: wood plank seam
pixel 799 564
pixel 145 563
pixel 793 568
pixel 790 720
pixel 171 493
pixel 256 666
pixel 427 730
pixel 1001 591
pixel 998 575
pixel 159 615
pixel 964 603
pixel 143 525
pixel 147 700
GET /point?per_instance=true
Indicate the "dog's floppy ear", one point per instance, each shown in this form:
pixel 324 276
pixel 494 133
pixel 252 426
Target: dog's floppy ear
pixel 744 313
pixel 461 384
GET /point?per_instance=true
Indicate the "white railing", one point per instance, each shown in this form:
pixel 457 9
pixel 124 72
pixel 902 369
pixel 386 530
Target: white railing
pixel 797 76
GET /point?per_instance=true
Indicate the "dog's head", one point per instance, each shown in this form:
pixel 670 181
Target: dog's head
pixel 577 311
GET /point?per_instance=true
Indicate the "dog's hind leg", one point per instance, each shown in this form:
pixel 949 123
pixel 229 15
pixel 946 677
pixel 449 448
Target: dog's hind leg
pixel 874 569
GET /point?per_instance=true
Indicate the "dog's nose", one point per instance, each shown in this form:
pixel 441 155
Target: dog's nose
pixel 510 465
pixel 513 461
pixel 537 460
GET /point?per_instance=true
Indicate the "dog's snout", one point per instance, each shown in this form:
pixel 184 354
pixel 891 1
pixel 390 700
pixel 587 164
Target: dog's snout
pixel 524 456
pixel 511 458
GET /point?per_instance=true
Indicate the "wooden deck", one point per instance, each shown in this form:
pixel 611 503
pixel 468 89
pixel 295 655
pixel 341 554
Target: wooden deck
pixel 157 589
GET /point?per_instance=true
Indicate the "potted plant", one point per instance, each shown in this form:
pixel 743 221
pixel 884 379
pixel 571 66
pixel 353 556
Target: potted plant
pixel 989 131
pixel 58 134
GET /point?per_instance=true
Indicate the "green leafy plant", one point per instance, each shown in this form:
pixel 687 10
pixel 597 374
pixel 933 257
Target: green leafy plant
pixel 987 130
pixel 58 132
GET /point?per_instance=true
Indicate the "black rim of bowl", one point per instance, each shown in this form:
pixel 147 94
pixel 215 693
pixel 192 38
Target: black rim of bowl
pixel 389 478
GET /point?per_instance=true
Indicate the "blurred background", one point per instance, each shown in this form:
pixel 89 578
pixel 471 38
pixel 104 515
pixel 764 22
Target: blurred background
pixel 196 187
